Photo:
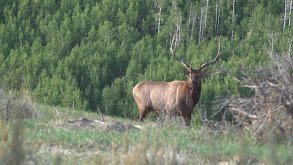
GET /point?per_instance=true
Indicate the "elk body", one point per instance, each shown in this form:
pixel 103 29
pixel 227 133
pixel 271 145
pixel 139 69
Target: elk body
pixel 171 98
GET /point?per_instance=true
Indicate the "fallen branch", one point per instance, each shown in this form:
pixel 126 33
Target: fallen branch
pixel 138 126
pixel 247 114
pixel 56 110
pixel 102 118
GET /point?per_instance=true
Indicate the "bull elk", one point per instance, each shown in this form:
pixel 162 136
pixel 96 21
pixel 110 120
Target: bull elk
pixel 172 98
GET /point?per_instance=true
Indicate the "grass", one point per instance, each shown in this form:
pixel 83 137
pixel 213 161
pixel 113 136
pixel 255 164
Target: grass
pixel 46 140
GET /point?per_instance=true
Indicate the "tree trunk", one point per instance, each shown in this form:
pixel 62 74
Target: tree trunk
pixel 200 26
pixel 190 15
pixel 193 22
pixel 216 20
pixel 285 14
pixel 290 46
pixel 206 15
pixel 290 12
pixel 159 22
pixel 272 49
pixel 233 19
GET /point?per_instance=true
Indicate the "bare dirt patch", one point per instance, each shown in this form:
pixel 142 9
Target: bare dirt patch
pixel 105 125
pixel 57 150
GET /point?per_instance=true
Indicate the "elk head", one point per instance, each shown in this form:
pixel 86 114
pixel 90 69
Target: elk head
pixel 194 75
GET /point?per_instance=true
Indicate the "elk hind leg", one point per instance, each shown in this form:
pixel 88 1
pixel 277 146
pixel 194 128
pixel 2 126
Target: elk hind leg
pixel 142 113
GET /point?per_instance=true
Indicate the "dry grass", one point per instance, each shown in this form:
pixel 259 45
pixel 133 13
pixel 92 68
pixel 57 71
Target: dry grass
pixel 141 153
pixel 16 107
pixel 12 151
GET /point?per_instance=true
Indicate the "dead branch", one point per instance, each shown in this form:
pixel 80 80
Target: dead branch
pixel 246 114
pixel 272 100
pixel 101 115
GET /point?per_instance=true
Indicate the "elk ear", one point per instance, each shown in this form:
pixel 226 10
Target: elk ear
pixel 184 71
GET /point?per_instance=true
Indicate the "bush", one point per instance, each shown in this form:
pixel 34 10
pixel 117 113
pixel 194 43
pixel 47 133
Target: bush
pixel 13 107
pixel 56 91
pixel 270 108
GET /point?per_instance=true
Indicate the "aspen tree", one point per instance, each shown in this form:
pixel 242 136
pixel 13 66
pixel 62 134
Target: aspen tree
pixel 290 12
pixel 191 19
pixel 159 4
pixel 200 26
pixel 287 13
pixel 233 18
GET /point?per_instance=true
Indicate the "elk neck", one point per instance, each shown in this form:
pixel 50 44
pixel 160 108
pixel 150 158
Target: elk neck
pixel 194 91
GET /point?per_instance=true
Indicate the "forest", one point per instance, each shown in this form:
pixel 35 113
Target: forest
pixel 89 54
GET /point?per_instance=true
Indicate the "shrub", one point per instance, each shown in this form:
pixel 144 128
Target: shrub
pixel 270 108
pixel 13 107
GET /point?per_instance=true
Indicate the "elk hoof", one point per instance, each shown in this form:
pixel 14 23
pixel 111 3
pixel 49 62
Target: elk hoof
pixel 136 118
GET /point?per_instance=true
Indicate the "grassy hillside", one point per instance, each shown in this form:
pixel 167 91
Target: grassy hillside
pixel 48 138
pixel 90 53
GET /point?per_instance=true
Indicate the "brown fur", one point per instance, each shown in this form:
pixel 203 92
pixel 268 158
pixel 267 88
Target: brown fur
pixel 172 98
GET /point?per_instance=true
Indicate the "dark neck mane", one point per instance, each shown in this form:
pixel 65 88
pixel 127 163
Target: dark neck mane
pixel 194 92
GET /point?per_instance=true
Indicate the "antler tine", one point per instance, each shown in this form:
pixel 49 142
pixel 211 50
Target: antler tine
pixel 171 48
pixel 216 58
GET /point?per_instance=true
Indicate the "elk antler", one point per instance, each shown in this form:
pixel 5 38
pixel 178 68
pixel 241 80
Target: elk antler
pixel 171 48
pixel 216 58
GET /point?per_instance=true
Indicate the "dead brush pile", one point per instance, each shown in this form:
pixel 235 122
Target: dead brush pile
pixel 16 107
pixel 270 108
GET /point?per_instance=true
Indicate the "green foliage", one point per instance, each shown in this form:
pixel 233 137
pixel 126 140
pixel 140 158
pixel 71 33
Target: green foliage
pixel 57 91
pixel 90 54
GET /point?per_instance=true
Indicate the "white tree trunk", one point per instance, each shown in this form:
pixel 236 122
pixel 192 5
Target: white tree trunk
pixel 178 27
pixel 193 22
pixel 272 49
pixel 233 19
pixel 206 15
pixel 190 15
pixel 285 15
pixel 159 4
pixel 216 20
pixel 178 21
pixel 290 47
pixel 179 32
pixel 192 19
pixel 271 41
pixel 159 22
pixel 290 12
pixel 286 8
pixel 200 26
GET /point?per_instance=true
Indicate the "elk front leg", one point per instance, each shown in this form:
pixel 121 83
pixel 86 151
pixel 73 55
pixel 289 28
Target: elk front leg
pixel 187 119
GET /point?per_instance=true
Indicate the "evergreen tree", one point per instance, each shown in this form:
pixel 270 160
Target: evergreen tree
pixel 88 54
